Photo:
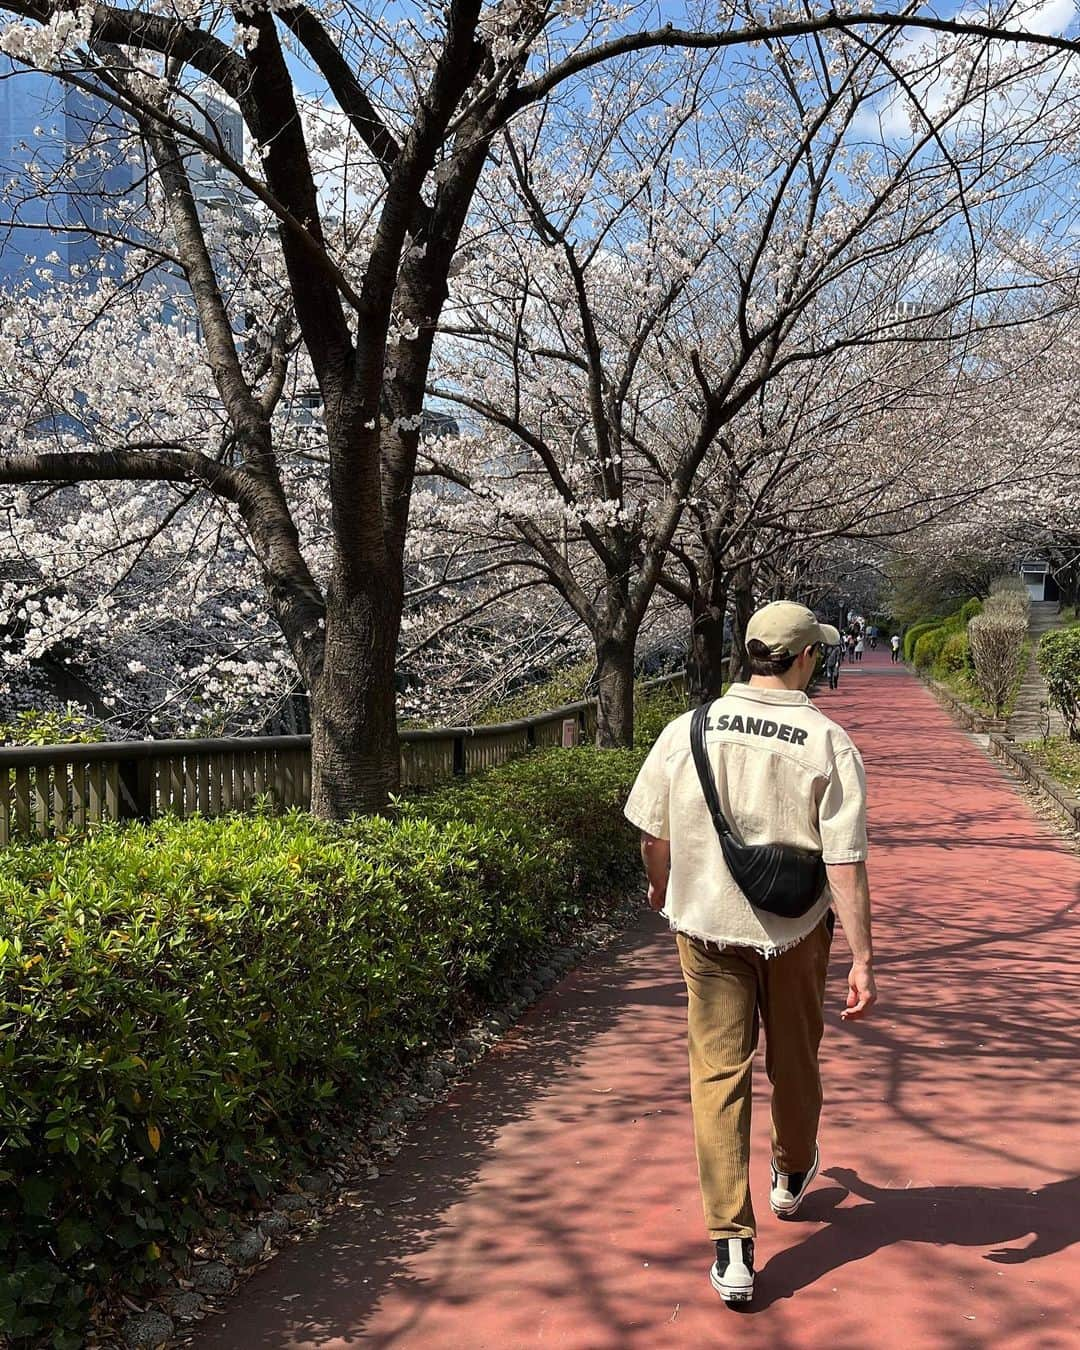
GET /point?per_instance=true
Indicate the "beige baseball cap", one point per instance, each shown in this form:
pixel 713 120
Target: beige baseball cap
pixel 787 629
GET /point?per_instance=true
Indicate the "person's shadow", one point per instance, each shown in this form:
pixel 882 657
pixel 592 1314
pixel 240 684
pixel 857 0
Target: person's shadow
pixel 970 1216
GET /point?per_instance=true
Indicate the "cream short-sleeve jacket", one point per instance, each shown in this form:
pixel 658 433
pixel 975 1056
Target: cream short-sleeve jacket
pixel 785 774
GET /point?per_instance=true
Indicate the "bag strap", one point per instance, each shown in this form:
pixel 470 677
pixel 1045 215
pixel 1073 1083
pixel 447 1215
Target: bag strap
pixel 704 768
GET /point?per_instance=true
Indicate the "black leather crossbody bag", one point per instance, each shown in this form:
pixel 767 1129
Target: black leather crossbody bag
pixel 776 878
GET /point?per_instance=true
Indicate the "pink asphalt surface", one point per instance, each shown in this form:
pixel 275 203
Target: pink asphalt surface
pixel 553 1199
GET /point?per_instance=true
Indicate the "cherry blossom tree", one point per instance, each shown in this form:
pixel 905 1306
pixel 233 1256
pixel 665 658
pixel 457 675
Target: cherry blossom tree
pixel 623 360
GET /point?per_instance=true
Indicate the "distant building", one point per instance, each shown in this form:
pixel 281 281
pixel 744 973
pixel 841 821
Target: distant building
pixel 908 319
pixel 67 159
pixel 217 119
pixel 63 162
pixel 1037 577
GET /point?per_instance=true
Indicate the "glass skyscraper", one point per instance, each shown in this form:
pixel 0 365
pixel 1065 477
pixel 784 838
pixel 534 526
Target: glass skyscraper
pixel 63 163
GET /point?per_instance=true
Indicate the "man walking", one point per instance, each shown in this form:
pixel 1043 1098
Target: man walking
pixel 832 664
pixel 785 774
pixel 894 642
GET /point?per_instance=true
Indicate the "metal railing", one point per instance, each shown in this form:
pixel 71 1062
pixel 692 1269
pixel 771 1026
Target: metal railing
pixel 54 789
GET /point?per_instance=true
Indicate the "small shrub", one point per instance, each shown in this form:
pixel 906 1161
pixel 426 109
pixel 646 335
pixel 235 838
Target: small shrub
pixel 997 645
pixel 1059 661
pixel 969 609
pixel 36 727
pixel 954 654
pixel 928 645
pixel 653 712
pixel 915 632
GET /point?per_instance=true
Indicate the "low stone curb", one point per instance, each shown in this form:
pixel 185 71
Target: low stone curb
pixel 1034 772
pixel 1003 747
pixel 964 713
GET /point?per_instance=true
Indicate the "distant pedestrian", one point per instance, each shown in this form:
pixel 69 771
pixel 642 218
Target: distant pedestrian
pixel 851 640
pixel 894 642
pixel 858 648
pixel 833 658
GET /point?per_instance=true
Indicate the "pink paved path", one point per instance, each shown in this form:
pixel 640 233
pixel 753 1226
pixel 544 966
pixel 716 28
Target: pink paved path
pixel 553 1200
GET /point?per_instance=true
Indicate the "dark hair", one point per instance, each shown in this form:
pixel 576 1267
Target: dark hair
pixel 762 662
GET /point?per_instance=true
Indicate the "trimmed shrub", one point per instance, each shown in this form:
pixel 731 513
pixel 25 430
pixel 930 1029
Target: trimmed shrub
pixel 915 632
pixel 192 1007
pixel 954 654
pixel 928 645
pixel 969 609
pixel 1059 661
pixel 997 645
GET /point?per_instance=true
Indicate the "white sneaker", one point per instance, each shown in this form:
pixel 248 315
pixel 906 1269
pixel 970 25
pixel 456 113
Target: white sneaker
pixel 788 1188
pixel 732 1273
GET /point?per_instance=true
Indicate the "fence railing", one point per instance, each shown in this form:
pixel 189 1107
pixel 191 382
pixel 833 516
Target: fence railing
pixel 54 789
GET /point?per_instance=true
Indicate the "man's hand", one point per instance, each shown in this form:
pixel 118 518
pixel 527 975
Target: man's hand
pixel 862 992
pixel 657 896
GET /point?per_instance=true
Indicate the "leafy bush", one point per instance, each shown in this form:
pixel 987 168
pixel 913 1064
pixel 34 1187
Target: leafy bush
pixel 191 1007
pixel 997 644
pixel 654 711
pixel 36 727
pixel 928 645
pixel 1059 661
pixel 915 632
pixel 969 609
pixel 954 654
pixel 567 685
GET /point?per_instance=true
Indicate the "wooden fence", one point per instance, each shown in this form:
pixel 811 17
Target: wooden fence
pixel 56 789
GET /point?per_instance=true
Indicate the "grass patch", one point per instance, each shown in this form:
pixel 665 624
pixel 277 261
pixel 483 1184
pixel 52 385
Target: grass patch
pixel 1060 757
pixel 963 685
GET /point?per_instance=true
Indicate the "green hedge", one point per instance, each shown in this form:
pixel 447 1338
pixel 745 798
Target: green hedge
pixel 190 1008
pixel 915 632
pixel 1059 661
pixel 954 654
pixel 928 645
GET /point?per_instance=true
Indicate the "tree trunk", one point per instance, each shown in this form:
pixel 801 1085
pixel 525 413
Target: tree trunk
pixel 615 701
pixel 355 758
pixel 743 596
pixel 705 658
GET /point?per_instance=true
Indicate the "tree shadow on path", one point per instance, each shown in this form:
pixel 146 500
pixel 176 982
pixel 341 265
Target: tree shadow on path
pixel 966 1216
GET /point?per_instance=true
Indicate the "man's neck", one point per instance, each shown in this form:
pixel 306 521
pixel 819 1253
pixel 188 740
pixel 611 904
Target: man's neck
pixel 776 682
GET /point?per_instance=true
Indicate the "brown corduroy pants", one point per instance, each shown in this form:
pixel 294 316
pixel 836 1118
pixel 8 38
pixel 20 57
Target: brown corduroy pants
pixel 732 991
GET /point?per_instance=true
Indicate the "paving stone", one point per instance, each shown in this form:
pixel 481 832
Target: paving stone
pixel 186 1305
pixel 213 1278
pixel 293 1204
pixel 148 1330
pixel 245 1248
